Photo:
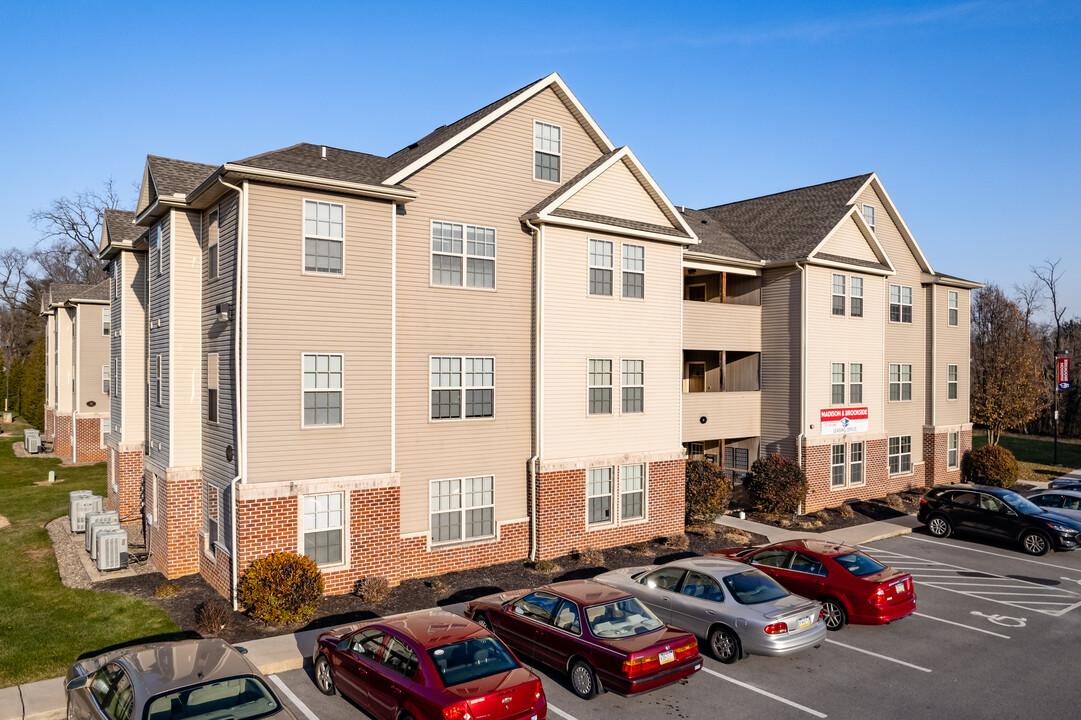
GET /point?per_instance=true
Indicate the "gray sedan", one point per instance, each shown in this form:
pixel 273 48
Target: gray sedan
pixel 192 679
pixel 737 609
pixel 1060 502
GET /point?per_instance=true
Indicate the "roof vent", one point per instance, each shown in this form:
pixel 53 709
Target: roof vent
pixel 324 152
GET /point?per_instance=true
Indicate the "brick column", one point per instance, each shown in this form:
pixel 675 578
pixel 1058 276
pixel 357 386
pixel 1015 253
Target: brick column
pixel 88 440
pixel 62 436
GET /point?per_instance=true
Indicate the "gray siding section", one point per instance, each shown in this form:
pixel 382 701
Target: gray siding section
pixel 780 361
pixel 159 345
pixel 116 418
pixel 217 337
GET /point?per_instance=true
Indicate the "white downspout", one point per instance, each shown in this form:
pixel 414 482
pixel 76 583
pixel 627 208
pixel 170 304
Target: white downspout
pixel 537 389
pixel 802 364
pixel 75 387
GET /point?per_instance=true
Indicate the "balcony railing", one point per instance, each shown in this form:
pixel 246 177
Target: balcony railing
pixel 727 415
pixel 710 325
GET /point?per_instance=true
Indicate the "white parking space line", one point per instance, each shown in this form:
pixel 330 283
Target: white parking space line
pixel 988 552
pixel 883 657
pixel 560 713
pixel 760 691
pixel 1025 595
pixel 951 622
pixel 292 696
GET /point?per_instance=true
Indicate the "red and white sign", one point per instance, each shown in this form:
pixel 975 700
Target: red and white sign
pixel 1062 373
pixel 836 421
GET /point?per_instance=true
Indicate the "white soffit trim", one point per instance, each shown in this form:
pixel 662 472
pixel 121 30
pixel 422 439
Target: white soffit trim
pixel 848 266
pixel 896 216
pixel 552 80
pixel 379 191
pixel 868 235
pixel 721 267
pixel 610 229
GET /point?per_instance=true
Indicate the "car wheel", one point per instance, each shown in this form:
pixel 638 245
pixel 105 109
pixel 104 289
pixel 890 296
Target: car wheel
pixel 1035 543
pixel 834 615
pixel 324 678
pixel 724 645
pixel 583 680
pixel 482 620
pixel 939 526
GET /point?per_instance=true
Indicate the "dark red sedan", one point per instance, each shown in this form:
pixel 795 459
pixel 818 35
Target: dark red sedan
pixel 604 638
pixel 851 586
pixel 428 665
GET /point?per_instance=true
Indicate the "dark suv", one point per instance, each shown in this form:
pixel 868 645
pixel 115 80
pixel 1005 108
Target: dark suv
pixel 997 513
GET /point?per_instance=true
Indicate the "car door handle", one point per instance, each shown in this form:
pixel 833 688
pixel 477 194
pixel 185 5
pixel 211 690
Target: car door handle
pixel 711 613
pixel 395 689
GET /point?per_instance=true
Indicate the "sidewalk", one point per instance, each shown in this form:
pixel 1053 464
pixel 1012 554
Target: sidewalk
pixel 855 535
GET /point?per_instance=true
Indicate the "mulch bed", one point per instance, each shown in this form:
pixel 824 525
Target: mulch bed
pixel 444 590
pixel 850 514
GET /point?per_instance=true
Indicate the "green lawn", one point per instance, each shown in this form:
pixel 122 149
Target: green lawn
pixel 45 626
pixel 1035 453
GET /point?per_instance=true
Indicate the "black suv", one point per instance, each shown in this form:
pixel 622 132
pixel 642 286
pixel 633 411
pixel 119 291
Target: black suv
pixel 997 513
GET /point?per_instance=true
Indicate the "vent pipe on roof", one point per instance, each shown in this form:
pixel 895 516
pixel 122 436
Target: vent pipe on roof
pixel 324 153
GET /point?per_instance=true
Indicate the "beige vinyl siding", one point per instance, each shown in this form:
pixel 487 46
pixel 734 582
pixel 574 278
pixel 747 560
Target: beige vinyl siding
pixel 132 348
pixel 65 359
pixel 728 414
pixel 849 242
pixel 905 343
pixel 50 360
pixel 186 364
pixel 290 313
pixel 93 353
pixel 579 327
pixel 725 326
pixel 487 181
pixel 617 193
pixel 158 344
pixel 836 339
pixel 780 361
pixel 116 337
pixel 951 348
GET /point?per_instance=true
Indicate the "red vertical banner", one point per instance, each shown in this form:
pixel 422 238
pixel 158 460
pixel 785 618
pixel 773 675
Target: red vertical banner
pixel 1062 373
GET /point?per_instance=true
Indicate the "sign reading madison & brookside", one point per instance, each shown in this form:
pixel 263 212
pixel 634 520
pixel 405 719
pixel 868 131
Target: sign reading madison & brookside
pixel 836 421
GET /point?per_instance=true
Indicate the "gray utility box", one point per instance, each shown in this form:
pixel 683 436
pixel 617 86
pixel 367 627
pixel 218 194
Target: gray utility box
pixel 112 547
pixel 81 502
pixel 32 441
pixel 105 517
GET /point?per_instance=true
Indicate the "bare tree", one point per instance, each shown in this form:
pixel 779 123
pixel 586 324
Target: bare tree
pixel 15 278
pixel 1049 275
pixel 1029 297
pixel 68 248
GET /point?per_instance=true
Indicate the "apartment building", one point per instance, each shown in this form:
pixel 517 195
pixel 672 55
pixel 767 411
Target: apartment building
pixel 815 327
pixel 77 370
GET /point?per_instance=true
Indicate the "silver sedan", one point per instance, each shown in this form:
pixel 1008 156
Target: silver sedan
pixel 1061 502
pixel 737 609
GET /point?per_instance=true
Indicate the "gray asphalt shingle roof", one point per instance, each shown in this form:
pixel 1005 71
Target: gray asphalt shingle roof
pixel 122 226
pixel 177 176
pixel 713 239
pixel 307 159
pixel 60 293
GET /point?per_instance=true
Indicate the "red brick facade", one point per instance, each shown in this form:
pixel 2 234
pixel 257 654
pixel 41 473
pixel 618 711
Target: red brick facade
pixel 936 455
pixel 561 510
pixel 176 543
pixel 49 432
pixel 88 445
pixel 62 437
pixel 877 480
pixel 125 471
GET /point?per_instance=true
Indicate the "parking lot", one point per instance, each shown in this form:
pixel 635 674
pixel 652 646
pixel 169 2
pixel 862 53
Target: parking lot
pixel 994 636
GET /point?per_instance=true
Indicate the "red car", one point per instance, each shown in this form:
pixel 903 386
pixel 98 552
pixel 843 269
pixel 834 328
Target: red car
pixel 604 638
pixel 851 586
pixel 430 666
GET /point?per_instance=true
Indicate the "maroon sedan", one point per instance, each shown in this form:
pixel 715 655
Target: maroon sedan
pixel 428 665
pixel 851 586
pixel 604 638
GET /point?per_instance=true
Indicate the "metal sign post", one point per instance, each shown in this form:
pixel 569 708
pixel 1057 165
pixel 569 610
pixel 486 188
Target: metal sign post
pixel 1062 382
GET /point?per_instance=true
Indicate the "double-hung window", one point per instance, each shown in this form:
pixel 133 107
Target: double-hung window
pixel 900 382
pixel 900 303
pixel 600 387
pixel 839 295
pixel 900 454
pixel 855 463
pixel 456 246
pixel 547 151
pixel 212 387
pixel 323 387
pixel 837 465
pixel 869 215
pixel 213 522
pixel 855 382
pixel 856 291
pixel 450 377
pixel 600 267
pixel 324 524
pixel 212 246
pixel 632 494
pixel 105 379
pixel 155 247
pixel 633 386
pixel 157 377
pixel 462 508
pixel 951 450
pixel 951 308
pixel 837 383
pixel 324 233
pixel 105 318
pixel 634 271
pixel 951 382
pixel 599 495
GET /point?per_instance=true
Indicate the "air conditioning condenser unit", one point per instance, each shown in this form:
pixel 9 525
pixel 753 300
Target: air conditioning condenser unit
pixel 105 517
pixel 81 502
pixel 111 547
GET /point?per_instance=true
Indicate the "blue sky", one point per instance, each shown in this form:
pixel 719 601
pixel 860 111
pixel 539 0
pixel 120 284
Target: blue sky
pixel 968 111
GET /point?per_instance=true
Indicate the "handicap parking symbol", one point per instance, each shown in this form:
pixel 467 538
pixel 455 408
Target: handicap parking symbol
pixel 1004 620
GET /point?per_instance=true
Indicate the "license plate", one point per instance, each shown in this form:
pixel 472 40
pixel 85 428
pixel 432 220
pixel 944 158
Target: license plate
pixel 805 621
pixel 667 656
pixel 899 587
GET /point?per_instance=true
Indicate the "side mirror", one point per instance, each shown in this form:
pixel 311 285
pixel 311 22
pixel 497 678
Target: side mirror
pixel 77 683
pixel 1010 512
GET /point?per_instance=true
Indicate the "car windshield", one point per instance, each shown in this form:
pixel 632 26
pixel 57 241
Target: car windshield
pixel 239 698
pixel 621 618
pixel 859 564
pixel 751 587
pixel 1021 505
pixel 468 660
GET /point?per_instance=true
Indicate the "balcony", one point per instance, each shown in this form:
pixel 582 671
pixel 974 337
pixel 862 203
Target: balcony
pixel 711 325
pixel 727 415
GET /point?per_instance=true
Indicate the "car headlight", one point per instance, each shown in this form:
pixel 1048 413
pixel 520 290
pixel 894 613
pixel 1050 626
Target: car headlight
pixel 1060 528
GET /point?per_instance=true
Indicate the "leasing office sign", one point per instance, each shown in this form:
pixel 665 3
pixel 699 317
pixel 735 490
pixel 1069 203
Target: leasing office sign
pixel 836 421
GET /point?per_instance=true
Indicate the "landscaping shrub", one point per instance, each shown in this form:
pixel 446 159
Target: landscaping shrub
pixel 166 590
pixel 545 566
pixel 212 616
pixel 990 465
pixel 845 510
pixel 707 490
pixel 677 542
pixel 591 556
pixel 373 589
pixel 281 588
pixel 776 484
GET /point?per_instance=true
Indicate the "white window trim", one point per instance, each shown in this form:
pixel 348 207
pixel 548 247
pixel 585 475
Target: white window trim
pixel 590 266
pixel 106 378
pixel 623 271
pixel 432 543
pixel 346 561
pixel 613 497
pixel 209 543
pixel 463 387
pixel 621 386
pixel 217 388
pixel 843 295
pixel 215 244
pixel 955 382
pixel 849 463
pixel 844 389
pixel 106 320
pixel 953 313
pixel 865 208
pixel 302 391
pixel 611 386
pixel 533 154
pixel 901 382
pixel 618 510
pixel 464 256
pixel 911 465
pixel 852 296
pixel 304 237
pixel 843 465
pixel 901 297
pixel 956 450
pixel 852 384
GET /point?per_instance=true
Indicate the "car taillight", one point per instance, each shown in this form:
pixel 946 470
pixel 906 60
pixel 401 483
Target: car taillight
pixel 538 692
pixel 777 628
pixel 879 597
pixel 638 666
pixel 923 501
pixel 685 651
pixel 821 613
pixel 457 711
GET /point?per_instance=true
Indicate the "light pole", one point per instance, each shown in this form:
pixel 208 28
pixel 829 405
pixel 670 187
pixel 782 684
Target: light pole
pixel 1062 382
